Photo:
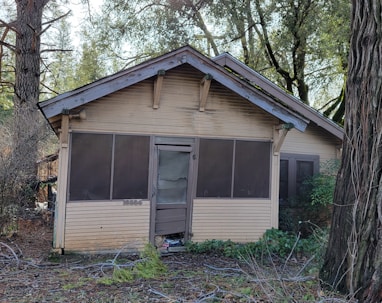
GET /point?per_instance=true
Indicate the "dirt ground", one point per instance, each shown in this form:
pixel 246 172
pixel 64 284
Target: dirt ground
pixel 30 273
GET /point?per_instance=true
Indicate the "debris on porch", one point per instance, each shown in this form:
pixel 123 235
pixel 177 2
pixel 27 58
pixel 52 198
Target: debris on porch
pixel 170 243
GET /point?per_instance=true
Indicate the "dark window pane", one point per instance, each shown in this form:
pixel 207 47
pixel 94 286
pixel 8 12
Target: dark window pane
pixel 131 167
pixel 284 171
pixel 90 167
pixel 215 168
pixel 252 169
pixel 304 169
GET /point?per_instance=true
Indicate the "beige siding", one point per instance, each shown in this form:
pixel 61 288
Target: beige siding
pixel 130 110
pixel 106 226
pixel 242 220
pixel 313 141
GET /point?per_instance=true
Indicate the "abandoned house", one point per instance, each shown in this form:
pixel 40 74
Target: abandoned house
pixel 180 145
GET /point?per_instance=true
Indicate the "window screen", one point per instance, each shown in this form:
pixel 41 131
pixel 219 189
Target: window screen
pixel 215 168
pixel 131 167
pixel 252 169
pixel 90 167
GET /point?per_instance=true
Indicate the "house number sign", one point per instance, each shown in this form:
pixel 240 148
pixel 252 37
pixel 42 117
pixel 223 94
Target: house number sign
pixel 132 202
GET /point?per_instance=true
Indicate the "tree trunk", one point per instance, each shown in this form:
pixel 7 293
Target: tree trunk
pixel 27 80
pixel 353 261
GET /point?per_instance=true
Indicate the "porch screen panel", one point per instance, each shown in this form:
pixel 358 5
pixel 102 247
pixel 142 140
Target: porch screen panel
pixel 252 169
pixel 131 167
pixel 215 168
pixel 90 167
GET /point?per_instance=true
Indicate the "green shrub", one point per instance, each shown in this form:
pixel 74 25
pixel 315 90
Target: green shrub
pixel 323 184
pixel 273 243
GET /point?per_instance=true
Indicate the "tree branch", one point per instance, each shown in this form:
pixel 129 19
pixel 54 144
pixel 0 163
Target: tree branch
pixel 270 52
pixel 10 25
pixel 56 50
pixel 9 46
pixel 56 19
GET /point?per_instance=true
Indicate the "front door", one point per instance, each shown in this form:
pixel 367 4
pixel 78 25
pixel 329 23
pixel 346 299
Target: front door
pixel 171 192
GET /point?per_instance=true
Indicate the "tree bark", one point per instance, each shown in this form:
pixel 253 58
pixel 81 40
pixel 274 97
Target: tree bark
pixel 27 80
pixel 353 261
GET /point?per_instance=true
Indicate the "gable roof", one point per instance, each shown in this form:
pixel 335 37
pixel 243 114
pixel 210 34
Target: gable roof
pixel 263 94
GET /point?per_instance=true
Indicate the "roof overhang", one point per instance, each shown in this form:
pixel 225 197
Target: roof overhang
pixel 269 97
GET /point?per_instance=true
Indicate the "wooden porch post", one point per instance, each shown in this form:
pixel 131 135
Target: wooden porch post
pixel 279 134
pixel 60 208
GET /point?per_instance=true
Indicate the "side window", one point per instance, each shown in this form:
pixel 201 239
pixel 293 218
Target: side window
pixel 294 170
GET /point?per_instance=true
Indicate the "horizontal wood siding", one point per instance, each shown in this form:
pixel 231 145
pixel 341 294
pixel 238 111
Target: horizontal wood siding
pixel 106 226
pixel 131 110
pixel 238 220
pixel 313 141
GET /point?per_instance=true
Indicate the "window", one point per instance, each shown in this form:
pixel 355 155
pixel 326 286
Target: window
pixel 294 170
pixel 233 168
pixel 131 167
pixel 107 166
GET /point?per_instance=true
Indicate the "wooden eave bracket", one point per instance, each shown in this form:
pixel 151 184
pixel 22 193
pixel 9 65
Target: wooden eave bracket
pixel 282 131
pixel 158 83
pixel 204 90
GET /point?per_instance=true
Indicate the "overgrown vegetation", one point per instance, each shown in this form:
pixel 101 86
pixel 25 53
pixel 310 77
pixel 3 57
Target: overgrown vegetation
pixel 180 277
pixel 313 206
pixel 274 244
pixel 18 180
pixel 322 185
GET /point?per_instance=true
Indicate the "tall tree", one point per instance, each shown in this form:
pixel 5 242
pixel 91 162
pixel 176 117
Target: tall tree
pixel 287 40
pixel 353 261
pixel 28 28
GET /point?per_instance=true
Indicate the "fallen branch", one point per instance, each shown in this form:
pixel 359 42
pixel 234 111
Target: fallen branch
pixel 157 292
pixel 223 268
pixel 12 251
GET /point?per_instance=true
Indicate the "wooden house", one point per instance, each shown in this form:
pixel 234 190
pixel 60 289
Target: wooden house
pixel 179 145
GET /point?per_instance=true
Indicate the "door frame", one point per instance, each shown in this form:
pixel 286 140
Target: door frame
pixel 172 144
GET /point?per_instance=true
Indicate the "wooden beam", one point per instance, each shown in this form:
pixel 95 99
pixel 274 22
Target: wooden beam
pixel 64 135
pixel 204 90
pixel 158 82
pixel 280 134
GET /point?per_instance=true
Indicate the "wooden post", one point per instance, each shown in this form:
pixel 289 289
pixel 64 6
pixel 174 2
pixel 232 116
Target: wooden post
pixel 60 208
